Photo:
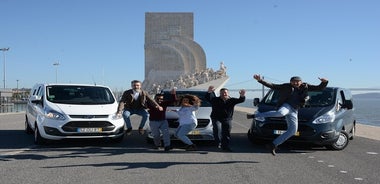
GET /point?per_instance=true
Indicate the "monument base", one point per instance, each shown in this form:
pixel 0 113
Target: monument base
pixel 217 83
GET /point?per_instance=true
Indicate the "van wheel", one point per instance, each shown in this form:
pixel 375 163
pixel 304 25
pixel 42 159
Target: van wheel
pixel 118 139
pixel 252 138
pixel 353 131
pixel 38 139
pixel 341 143
pixel 28 129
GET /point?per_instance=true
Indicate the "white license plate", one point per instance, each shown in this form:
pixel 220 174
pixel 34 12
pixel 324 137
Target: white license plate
pixel 89 130
pixel 279 132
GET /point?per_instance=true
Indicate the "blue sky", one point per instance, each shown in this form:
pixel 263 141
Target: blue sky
pixel 97 41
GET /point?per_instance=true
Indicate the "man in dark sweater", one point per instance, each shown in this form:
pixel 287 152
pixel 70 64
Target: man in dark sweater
pixel 221 114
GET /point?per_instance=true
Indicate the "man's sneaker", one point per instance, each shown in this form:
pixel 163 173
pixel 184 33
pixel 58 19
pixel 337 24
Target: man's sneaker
pixel 272 148
pixel 250 116
pixel 141 131
pixel 167 148
pixel 192 147
pixel 128 131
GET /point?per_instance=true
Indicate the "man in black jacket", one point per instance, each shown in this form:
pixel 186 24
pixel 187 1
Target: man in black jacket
pixel 292 96
pixel 221 114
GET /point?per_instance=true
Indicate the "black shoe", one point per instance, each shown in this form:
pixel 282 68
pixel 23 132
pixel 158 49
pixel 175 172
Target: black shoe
pixel 272 148
pixel 167 148
pixel 250 116
pixel 227 149
pixel 128 131
pixel 192 147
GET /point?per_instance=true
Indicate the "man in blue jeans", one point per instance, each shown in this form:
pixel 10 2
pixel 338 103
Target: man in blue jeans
pixel 222 114
pixel 293 95
pixel 136 101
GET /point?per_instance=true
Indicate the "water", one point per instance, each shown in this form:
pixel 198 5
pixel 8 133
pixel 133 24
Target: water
pixel 13 107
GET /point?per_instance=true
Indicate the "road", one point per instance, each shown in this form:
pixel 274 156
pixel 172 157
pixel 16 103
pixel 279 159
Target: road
pixel 132 161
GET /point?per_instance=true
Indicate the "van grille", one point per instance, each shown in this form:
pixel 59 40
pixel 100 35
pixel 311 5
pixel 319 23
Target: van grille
pixel 202 123
pixel 88 116
pixel 72 126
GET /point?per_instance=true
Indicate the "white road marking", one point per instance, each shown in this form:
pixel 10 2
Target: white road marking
pixel 372 153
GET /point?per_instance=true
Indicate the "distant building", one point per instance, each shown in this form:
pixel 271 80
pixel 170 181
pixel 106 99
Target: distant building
pixel 5 95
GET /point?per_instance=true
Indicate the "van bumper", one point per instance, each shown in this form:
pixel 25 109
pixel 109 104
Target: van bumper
pixel 321 134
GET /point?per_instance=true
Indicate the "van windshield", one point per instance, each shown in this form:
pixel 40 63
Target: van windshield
pixel 79 94
pixel 199 94
pixel 316 98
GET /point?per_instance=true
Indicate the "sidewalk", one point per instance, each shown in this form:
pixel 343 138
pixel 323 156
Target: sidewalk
pixel 367 131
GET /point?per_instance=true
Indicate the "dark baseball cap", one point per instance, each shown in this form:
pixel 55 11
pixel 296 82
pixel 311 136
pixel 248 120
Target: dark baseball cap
pixel 295 78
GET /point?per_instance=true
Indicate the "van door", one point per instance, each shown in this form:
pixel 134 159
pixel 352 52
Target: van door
pixel 345 114
pixel 349 117
pixel 35 109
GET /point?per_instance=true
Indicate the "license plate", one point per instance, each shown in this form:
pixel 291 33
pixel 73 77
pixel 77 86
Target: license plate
pixel 89 130
pixel 194 132
pixel 279 132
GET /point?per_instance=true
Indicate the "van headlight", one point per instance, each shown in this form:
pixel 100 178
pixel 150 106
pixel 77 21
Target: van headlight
pixel 326 118
pixel 116 116
pixel 51 114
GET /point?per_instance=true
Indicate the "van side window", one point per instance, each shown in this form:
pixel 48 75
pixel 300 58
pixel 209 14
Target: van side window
pixel 40 91
pixel 37 90
pixel 346 99
pixel 34 92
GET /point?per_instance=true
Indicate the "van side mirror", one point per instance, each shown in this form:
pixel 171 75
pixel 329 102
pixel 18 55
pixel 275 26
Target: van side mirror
pixel 35 99
pixel 347 104
pixel 256 101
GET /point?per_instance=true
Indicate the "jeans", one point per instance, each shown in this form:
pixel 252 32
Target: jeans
pixel 158 127
pixel 141 112
pixel 222 132
pixel 182 132
pixel 291 116
pixel 217 130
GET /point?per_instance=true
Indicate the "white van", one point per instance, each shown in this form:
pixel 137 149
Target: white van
pixel 66 111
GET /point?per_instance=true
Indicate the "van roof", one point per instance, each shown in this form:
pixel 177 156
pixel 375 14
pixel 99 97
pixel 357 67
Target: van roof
pixel 68 84
pixel 186 89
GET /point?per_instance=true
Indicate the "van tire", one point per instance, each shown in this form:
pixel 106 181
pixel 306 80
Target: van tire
pixel 38 139
pixel 118 139
pixel 28 129
pixel 341 143
pixel 252 138
pixel 353 132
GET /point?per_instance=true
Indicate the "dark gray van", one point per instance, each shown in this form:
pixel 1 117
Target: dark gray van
pixel 327 119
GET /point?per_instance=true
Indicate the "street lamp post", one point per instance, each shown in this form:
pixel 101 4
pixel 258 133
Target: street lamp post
pixel 17 94
pixel 4 49
pixel 56 64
